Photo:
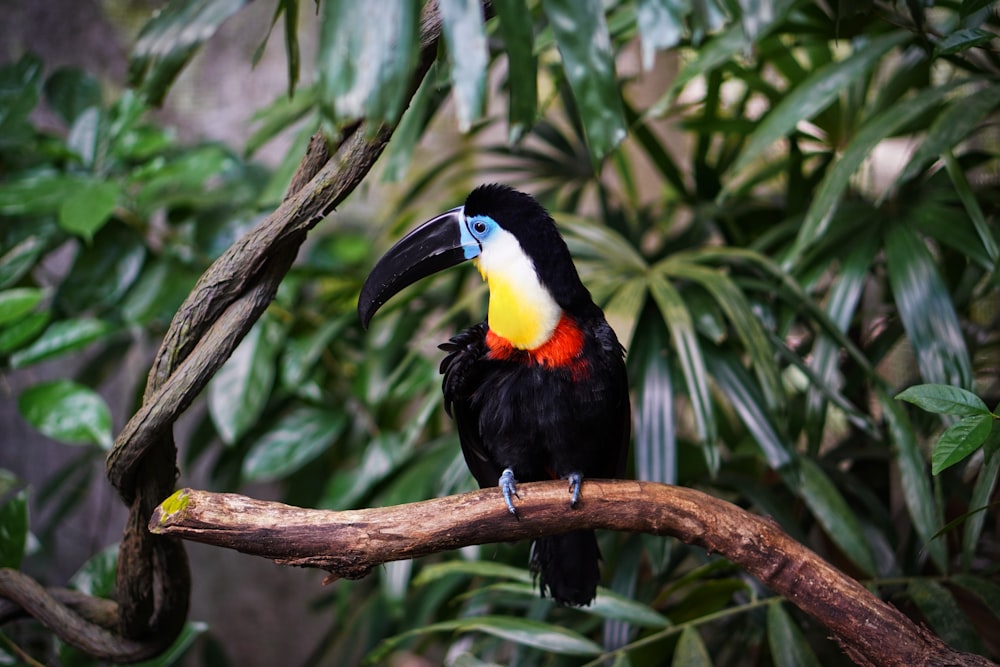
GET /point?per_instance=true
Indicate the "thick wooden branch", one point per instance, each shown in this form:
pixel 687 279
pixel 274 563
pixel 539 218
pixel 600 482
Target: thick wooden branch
pixel 349 544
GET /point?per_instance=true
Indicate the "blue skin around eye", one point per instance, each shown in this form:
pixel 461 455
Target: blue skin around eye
pixel 470 240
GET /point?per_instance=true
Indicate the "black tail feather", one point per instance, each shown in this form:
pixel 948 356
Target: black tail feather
pixel 567 567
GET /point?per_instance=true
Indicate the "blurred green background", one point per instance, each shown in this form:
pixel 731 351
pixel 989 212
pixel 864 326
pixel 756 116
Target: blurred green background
pixel 787 210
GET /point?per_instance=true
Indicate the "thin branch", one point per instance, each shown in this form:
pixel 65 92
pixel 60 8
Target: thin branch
pixel 350 543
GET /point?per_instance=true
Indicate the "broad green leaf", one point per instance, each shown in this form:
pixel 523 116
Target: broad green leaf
pixel 841 304
pixel 834 514
pixel 918 494
pixel 709 57
pixel 103 271
pixel 974 210
pixel 292 441
pixel 170 39
pixel 240 389
pixel 689 355
pixel 944 615
pixel 743 393
pixel 59 338
pixel 90 206
pixel 462 24
pixel 951 126
pixel 814 94
pixel 691 651
pixel 653 409
pixel 741 317
pixel 13 529
pixel 69 91
pixel 788 645
pixel 944 399
pixel 35 194
pixel 67 411
pixel 611 605
pixel 85 138
pixel 471 568
pixel 837 178
pixel 581 34
pixel 926 309
pixel 412 126
pixel 19 259
pixel 18 302
pixel 982 491
pixel 962 40
pixel 959 440
pixel 15 336
pixel 384 454
pixel 544 636
pixel 522 66
pixel 367 52
pixel 20 84
pixel 96 577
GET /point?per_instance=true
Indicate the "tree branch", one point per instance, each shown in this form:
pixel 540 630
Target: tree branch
pixel 350 543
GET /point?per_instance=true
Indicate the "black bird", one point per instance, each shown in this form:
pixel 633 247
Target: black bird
pixel 538 390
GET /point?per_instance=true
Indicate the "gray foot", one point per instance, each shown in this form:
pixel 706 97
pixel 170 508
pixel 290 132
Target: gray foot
pixel 575 483
pixel 508 485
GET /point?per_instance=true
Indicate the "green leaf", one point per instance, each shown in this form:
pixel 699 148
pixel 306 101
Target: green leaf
pixel 746 398
pixel 462 24
pixel 471 568
pixel 19 259
pixel 20 83
pixel 814 94
pixel 36 193
pixel 926 309
pixel 96 577
pixel 168 41
pixel 18 302
pixel 366 55
pixel 963 40
pixel 69 91
pixel 192 630
pixel 67 411
pixel 295 439
pixel 240 389
pixel 959 440
pixel 974 210
pixel 543 636
pixel 988 592
pixel 982 491
pixel 653 410
pixel 788 645
pixel 833 513
pixel 103 271
pixel 918 494
pixel 691 651
pixel 689 354
pixel 944 399
pixel 59 338
pixel 951 126
pixel 581 34
pixel 611 605
pixel 522 66
pixel 945 617
pixel 16 336
pixel 835 182
pixel 13 529
pixel 661 26
pixel 90 206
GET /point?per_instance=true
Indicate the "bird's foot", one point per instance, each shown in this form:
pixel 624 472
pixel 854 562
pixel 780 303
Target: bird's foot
pixel 508 485
pixel 575 484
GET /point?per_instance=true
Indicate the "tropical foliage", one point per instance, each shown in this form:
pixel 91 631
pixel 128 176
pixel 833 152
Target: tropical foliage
pixel 792 228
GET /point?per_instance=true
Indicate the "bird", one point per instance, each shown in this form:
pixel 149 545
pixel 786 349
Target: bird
pixel 538 390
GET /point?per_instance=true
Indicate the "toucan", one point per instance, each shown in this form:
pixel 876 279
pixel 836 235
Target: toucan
pixel 538 390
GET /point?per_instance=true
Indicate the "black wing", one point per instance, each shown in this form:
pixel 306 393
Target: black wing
pixel 463 371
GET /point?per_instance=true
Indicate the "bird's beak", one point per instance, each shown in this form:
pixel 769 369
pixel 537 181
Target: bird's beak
pixel 439 243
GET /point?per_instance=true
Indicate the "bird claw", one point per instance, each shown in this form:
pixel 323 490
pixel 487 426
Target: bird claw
pixel 508 485
pixel 575 484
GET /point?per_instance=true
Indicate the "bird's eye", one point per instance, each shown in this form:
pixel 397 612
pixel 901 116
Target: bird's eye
pixel 479 226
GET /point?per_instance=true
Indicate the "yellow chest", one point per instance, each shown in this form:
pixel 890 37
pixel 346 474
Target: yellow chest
pixel 521 310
